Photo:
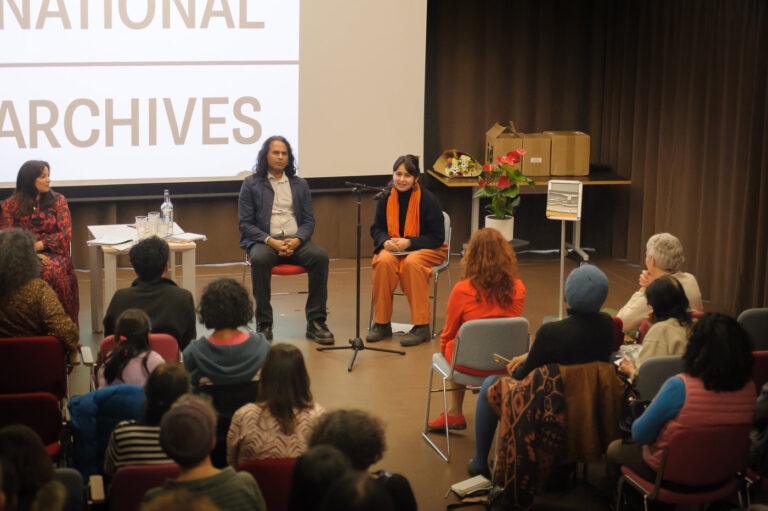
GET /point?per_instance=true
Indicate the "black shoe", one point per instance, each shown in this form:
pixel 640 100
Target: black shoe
pixel 378 332
pixel 417 335
pixel 318 330
pixel 473 471
pixel 266 329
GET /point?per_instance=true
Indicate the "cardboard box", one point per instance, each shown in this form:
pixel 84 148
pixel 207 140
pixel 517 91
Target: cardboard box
pixel 499 140
pixel 569 154
pixel 536 159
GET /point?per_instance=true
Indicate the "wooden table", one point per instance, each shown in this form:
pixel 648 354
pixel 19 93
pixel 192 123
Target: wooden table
pixel 604 178
pixel 107 271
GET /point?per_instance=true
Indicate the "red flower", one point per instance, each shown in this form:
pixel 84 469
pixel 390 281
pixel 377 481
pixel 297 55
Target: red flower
pixel 503 182
pixel 450 160
pixel 501 159
pixel 521 151
pixel 481 183
pixel 487 168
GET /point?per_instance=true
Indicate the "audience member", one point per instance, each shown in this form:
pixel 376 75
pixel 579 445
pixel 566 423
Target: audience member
pixel 37 484
pixel 360 436
pixel 43 212
pixel 228 355
pixel 28 305
pixel 663 256
pixel 356 491
pixel 138 442
pixel 132 359
pixel 170 308
pixel 715 388
pixel 408 234
pixel 276 224
pixel 670 320
pixel 314 473
pixel 758 448
pixel 490 289
pixel 586 335
pixel 180 500
pixel 188 435
pixel 279 423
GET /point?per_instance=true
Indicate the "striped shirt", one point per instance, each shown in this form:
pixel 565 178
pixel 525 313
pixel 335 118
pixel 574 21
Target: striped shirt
pixel 133 444
pixel 255 434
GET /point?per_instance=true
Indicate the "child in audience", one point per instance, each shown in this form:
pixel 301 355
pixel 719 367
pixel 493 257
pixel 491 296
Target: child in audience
pixel 132 359
pixel 187 435
pixel 279 423
pixel 138 442
pixel 670 320
pixel 490 289
pixel 228 355
pixel 360 436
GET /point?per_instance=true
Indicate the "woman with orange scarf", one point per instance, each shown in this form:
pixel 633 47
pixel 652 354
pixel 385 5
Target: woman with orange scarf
pixel 409 239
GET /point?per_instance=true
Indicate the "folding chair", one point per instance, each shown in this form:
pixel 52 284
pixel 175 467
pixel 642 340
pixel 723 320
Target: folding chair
pixel 274 479
pixel 709 457
pixel 755 321
pixel 129 484
pixel 436 271
pixel 280 269
pixel 164 344
pixel 652 374
pixel 474 347
pixel 38 410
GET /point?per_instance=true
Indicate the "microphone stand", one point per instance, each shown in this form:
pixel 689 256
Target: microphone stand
pixel 356 344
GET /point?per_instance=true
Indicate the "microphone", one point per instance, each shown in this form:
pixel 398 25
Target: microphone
pixel 361 186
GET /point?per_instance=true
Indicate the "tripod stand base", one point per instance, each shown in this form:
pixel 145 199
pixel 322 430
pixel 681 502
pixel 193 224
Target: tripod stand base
pixel 357 345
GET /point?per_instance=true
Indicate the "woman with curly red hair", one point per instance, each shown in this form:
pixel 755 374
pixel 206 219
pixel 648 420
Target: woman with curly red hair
pixel 490 289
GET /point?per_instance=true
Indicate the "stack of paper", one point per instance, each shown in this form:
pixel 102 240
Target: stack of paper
pixel 471 485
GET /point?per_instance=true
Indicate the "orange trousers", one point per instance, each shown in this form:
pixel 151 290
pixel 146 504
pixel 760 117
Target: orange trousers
pixel 413 271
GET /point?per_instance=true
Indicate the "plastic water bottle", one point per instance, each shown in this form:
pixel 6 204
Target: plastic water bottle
pixel 166 215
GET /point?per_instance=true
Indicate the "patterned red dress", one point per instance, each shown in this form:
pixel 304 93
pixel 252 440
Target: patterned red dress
pixel 53 227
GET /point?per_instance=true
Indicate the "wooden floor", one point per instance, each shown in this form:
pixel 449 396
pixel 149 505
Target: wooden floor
pixel 393 386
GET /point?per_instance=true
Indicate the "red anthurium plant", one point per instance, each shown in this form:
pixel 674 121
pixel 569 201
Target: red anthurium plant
pixel 500 182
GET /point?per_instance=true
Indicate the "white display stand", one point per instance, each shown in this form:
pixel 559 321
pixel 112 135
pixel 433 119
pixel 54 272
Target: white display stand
pixel 564 204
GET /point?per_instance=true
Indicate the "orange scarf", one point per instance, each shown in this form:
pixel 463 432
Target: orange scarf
pixel 411 216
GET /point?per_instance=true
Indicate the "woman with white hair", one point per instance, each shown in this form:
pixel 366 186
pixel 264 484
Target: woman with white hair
pixel 663 256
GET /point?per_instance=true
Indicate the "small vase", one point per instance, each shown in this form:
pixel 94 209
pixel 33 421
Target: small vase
pixel 506 226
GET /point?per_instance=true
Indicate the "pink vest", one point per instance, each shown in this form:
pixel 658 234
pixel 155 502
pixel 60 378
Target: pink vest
pixel 704 407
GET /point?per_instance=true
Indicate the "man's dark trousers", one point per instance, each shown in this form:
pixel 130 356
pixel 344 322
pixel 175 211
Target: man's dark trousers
pixel 308 255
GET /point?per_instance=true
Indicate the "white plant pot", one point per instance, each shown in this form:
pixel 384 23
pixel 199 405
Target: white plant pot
pixel 505 226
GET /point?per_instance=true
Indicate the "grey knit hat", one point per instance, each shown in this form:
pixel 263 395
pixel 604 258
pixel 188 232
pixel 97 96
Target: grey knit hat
pixel 187 430
pixel 586 289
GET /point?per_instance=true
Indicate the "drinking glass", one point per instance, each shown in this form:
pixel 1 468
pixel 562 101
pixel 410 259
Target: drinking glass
pixel 142 227
pixel 154 222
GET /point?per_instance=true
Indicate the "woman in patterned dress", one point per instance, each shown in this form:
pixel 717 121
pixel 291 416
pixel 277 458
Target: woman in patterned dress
pixel 43 212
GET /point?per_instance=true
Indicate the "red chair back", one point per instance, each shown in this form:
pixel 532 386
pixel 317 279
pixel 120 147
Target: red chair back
pixel 129 484
pixel 274 480
pixel 709 455
pixel 760 372
pixel 618 333
pixel 39 411
pixel 32 364
pixel 164 344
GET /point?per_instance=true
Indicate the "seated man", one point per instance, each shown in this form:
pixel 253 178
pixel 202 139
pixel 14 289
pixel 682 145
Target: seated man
pixel 170 308
pixel 188 435
pixel 276 224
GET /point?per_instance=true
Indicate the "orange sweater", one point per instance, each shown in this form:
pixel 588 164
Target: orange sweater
pixel 463 306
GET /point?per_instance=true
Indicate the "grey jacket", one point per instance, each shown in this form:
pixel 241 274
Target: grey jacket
pixel 255 206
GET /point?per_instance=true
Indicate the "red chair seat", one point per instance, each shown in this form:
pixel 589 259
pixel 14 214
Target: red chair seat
pixel 692 497
pixel 288 269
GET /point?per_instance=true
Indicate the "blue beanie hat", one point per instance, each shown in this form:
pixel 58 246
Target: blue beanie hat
pixel 586 289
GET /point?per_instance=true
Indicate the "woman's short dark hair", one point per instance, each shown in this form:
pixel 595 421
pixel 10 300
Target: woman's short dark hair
pixel 410 162
pixel 166 383
pixel 357 491
pixel 262 167
pixel 356 433
pixel 667 298
pixel 8 481
pixel 314 473
pixel 225 304
pixel 18 261
pixel 131 340
pixel 284 384
pixel 21 446
pixel 149 257
pixel 26 191
pixel 720 353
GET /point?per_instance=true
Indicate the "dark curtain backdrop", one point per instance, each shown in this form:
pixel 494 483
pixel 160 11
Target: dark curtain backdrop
pixel 672 92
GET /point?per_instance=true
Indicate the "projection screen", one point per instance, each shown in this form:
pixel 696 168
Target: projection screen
pixel 143 91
